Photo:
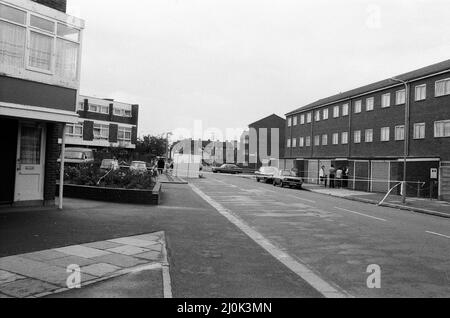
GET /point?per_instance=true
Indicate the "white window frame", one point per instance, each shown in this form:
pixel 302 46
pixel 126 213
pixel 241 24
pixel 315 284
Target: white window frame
pixel 357 137
pixel 370 104
pixel 400 97
pixel 344 138
pixel 445 129
pixel 335 139
pixel 400 133
pixel 289 143
pixel 122 111
pixel 294 120
pixel 419 131
pixel 324 140
pixel 418 92
pixel 345 110
pixel 317 141
pixel 336 111
pixel 386 98
pixel 385 134
pixel 308 141
pixel 325 114
pixel 446 90
pixel 294 143
pixel 368 136
pixel 124 130
pixel 358 106
pixel 74 126
pixel 309 118
pixel 302 119
pixel 317 115
pixel 101 107
pixel 289 122
pixel 102 128
pixel 302 142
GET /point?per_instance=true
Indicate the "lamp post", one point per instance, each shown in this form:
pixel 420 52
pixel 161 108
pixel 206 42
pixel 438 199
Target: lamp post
pixel 405 153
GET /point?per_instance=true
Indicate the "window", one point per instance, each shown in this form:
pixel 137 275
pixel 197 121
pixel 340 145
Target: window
pixel 421 92
pixel 443 87
pixel 370 104
pixel 38 44
pixel 358 107
pixel 345 138
pixel 324 140
pixel 80 106
pixel 325 114
pixel 317 115
pixel 345 110
pixel 442 129
pixel 336 139
pixel 294 143
pixel 99 109
pixel 385 134
pixel 295 119
pixel 101 131
pixel 400 97
pixel 308 141
pixel 302 142
pixel 289 143
pixel 357 137
pixel 302 119
pixel 309 118
pixel 369 135
pixel 289 122
pixel 124 134
pixel 400 133
pixel 335 111
pixel 419 131
pixel 126 111
pixel 74 130
pixel 386 100
pixel 317 141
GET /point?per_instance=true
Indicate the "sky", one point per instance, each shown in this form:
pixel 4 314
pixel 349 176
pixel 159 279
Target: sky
pixel 223 64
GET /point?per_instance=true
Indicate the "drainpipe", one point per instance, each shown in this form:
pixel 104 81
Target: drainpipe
pixel 61 170
pixel 406 144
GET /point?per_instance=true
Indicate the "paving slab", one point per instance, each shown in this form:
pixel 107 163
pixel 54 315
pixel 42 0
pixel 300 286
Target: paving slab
pixel 100 269
pixel 82 251
pixel 44 255
pixel 127 250
pixel 120 260
pixel 151 256
pixel 132 242
pixel 26 287
pixel 104 245
pixel 71 260
pixel 8 277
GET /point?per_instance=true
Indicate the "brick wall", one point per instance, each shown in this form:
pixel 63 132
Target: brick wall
pixel 60 5
pixel 51 162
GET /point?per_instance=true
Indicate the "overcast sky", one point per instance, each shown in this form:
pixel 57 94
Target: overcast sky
pixel 232 62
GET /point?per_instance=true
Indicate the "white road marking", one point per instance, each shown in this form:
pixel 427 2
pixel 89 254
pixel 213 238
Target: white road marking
pixel 437 234
pixel 362 214
pixel 298 268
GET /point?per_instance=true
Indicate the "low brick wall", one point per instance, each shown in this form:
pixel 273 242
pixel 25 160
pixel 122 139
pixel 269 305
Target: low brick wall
pixel 151 197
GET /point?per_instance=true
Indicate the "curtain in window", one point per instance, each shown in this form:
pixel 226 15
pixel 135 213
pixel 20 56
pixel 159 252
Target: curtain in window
pixel 40 51
pixel 66 59
pixel 30 145
pixel 12 44
pixel 440 88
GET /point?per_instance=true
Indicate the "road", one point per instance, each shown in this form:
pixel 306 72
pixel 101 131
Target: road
pixel 338 239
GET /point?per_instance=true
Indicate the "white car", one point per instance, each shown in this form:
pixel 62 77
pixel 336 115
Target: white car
pixel 138 166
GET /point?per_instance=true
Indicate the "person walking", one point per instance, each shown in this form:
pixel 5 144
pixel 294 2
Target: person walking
pixel 345 178
pixel 339 174
pixel 332 176
pixel 323 176
pixel 161 166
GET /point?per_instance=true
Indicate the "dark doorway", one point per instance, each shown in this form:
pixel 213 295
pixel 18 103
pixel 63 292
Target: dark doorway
pixel 8 131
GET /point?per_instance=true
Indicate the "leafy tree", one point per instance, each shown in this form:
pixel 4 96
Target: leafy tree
pixel 149 147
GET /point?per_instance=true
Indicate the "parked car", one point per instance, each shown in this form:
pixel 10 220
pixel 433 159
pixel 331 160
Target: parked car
pixel 227 168
pixel 266 174
pixel 78 156
pixel 110 164
pixel 138 166
pixel 287 178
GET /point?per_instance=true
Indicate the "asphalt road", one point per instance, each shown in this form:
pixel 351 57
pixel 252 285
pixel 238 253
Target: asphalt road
pixel 339 239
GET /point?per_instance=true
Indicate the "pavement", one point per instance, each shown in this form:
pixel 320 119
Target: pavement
pixel 340 241
pixel 209 257
pixel 419 205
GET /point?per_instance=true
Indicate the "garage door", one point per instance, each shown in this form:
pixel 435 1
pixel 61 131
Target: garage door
pixel 313 171
pixel 360 175
pixel 380 176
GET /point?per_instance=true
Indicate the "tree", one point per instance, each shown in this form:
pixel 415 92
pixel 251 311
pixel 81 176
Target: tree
pixel 149 147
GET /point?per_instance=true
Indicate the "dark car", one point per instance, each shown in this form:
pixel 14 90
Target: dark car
pixel 266 174
pixel 227 168
pixel 288 178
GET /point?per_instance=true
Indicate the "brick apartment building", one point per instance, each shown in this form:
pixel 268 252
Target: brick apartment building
pixel 103 123
pixel 364 130
pixel 40 47
pixel 260 135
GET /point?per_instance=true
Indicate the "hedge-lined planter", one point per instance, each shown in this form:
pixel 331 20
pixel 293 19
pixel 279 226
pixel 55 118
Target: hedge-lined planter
pixel 152 197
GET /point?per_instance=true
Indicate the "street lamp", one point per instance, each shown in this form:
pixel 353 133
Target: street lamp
pixel 405 154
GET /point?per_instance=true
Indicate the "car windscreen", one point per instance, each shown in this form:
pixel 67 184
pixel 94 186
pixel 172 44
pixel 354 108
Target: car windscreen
pixel 268 170
pixel 74 155
pixel 288 174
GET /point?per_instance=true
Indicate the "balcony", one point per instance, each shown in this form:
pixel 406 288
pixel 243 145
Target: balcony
pixel 39 44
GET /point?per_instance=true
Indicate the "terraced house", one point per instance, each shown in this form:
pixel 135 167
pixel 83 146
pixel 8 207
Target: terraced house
pixel 372 129
pixel 40 48
pixel 103 123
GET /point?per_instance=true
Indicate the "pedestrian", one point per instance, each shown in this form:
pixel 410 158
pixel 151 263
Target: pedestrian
pixel 323 176
pixel 339 174
pixel 345 177
pixel 332 176
pixel 161 166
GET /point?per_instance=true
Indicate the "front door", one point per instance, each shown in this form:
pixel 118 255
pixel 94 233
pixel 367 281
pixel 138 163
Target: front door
pixel 30 163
